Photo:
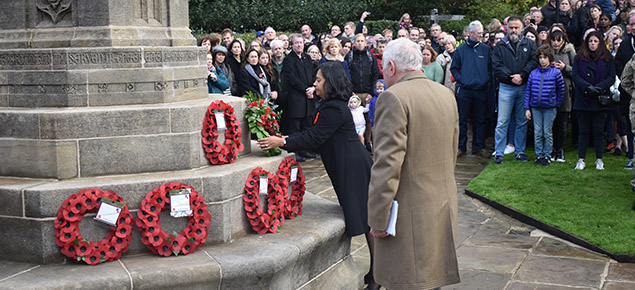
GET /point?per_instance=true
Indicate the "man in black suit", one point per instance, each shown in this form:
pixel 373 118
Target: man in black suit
pixel 297 71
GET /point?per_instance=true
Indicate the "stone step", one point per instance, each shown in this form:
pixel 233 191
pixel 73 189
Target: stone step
pixel 80 142
pixel 311 251
pixel 30 205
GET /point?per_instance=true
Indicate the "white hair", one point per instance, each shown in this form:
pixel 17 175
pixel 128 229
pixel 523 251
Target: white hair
pixel 404 53
pixel 270 29
pixel 474 25
pixel 276 42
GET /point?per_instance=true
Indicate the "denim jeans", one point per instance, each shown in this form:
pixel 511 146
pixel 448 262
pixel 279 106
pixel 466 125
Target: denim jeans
pixel 476 102
pixel 543 124
pixel 511 98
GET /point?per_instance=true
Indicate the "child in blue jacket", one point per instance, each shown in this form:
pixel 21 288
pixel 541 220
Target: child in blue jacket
pixel 544 94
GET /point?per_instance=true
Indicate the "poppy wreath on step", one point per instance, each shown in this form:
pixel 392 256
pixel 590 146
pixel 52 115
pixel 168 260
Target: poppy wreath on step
pixel 70 240
pixel 162 243
pixel 216 152
pixel 271 218
pixel 293 201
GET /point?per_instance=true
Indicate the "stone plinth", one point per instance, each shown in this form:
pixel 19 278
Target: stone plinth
pixel 30 206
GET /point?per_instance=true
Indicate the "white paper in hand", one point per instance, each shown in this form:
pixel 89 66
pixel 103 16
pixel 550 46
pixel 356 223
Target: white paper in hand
pixel 392 222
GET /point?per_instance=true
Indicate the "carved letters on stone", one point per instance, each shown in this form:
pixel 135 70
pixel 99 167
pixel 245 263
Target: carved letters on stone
pixel 69 89
pixel 41 89
pixel 176 85
pixel 130 87
pixel 81 58
pixel 56 9
pixel 160 86
pixel 102 88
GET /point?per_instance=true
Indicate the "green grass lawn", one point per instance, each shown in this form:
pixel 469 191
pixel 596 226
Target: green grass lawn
pixel 594 205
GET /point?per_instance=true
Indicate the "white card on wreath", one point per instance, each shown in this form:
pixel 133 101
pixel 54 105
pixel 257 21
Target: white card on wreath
pixel 220 120
pixel 108 213
pixel 263 184
pixel 294 173
pixel 180 203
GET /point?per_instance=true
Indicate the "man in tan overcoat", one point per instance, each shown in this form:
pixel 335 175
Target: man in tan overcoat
pixel 416 141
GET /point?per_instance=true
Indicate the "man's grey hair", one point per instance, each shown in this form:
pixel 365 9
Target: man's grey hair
pixel 404 53
pixel 474 25
pixel 275 43
pixel 270 29
pixel 435 25
pixel 292 37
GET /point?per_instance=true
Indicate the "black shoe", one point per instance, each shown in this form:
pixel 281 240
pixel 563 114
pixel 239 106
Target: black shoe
pixel 617 152
pixel 299 158
pixel 521 157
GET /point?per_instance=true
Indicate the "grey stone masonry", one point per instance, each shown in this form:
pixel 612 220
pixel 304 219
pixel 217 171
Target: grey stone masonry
pixel 29 206
pixel 95 23
pixel 93 141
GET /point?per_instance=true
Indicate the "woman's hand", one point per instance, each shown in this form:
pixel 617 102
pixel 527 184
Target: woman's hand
pixel 271 142
pixel 528 114
pixel 559 65
pixel 274 95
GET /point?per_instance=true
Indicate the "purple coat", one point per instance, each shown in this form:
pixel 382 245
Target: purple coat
pixel 545 88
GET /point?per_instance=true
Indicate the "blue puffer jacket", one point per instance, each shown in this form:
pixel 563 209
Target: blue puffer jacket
pixel 545 88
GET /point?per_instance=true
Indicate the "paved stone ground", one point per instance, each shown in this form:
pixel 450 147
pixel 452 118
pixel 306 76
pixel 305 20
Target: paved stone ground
pixel 498 252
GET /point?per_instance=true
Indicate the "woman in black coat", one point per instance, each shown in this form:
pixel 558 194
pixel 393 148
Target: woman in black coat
pixel 254 78
pixel 593 73
pixel 334 137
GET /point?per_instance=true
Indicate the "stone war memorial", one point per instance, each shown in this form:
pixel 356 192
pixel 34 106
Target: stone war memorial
pixel 111 95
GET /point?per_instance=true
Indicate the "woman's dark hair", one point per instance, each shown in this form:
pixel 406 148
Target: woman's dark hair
pixel 559 33
pixel 242 49
pixel 336 83
pixel 531 30
pixel 204 38
pixel 246 56
pixel 602 52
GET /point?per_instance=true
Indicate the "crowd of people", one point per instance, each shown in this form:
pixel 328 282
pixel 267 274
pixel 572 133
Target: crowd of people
pixel 561 69
pixel 495 73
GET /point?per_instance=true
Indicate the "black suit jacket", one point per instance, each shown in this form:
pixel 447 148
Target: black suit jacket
pixel 298 75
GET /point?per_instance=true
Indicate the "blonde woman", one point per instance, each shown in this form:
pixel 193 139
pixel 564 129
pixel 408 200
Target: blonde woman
pixel 331 52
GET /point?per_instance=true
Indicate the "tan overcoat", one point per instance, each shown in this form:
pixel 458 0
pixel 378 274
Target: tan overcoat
pixel 416 140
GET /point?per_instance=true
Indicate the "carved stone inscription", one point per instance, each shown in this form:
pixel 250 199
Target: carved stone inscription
pixel 83 58
pixel 22 59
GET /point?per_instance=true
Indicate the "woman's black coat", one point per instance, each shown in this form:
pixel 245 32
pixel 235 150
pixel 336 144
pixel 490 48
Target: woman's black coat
pixel 345 159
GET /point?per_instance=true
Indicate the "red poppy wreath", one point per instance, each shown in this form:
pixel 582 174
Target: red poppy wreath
pixel 157 240
pixel 221 153
pixel 74 246
pixel 270 219
pixel 293 202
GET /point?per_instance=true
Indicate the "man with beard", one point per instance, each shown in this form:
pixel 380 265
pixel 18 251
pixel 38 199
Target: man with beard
pixel 512 60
